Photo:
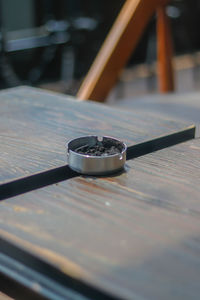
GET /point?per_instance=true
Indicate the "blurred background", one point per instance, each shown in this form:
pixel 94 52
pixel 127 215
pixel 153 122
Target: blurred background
pixel 51 44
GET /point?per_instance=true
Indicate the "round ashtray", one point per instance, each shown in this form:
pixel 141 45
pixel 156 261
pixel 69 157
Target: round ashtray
pixel 93 155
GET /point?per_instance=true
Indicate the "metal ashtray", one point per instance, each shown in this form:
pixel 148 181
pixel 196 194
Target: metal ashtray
pixel 95 155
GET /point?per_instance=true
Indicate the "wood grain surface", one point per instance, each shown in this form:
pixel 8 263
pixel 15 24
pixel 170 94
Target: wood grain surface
pixel 135 235
pixel 35 126
pixel 179 106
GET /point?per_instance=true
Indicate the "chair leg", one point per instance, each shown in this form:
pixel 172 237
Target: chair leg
pixel 117 48
pixel 164 51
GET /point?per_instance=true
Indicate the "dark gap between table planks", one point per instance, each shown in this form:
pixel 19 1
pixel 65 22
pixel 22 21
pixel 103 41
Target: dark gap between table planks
pixel 125 129
pixel 154 207
pixel 30 183
pixel 36 124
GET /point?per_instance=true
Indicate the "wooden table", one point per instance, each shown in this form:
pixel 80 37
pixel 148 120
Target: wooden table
pixel 134 235
pixel 179 106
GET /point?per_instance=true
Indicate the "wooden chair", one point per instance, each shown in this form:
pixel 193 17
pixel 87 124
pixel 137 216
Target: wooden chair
pixel 120 43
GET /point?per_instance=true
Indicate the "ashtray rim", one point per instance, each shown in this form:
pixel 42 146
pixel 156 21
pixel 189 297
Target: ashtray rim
pixel 96 156
pixel 95 165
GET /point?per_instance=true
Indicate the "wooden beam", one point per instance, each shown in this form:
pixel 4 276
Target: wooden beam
pixel 117 48
pixel 165 51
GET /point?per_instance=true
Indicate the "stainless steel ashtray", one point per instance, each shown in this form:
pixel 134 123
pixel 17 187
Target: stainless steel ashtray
pixel 95 155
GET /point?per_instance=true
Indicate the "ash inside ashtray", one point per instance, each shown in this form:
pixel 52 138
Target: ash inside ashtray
pixel 105 147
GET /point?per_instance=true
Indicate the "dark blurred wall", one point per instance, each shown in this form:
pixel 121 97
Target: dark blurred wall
pixel 85 43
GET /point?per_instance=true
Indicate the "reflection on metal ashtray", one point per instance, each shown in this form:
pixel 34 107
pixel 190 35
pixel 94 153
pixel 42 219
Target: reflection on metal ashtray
pixel 93 155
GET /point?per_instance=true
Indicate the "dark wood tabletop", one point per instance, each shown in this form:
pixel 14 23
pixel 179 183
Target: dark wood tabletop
pixel 135 235
pixel 178 106
pixel 36 125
